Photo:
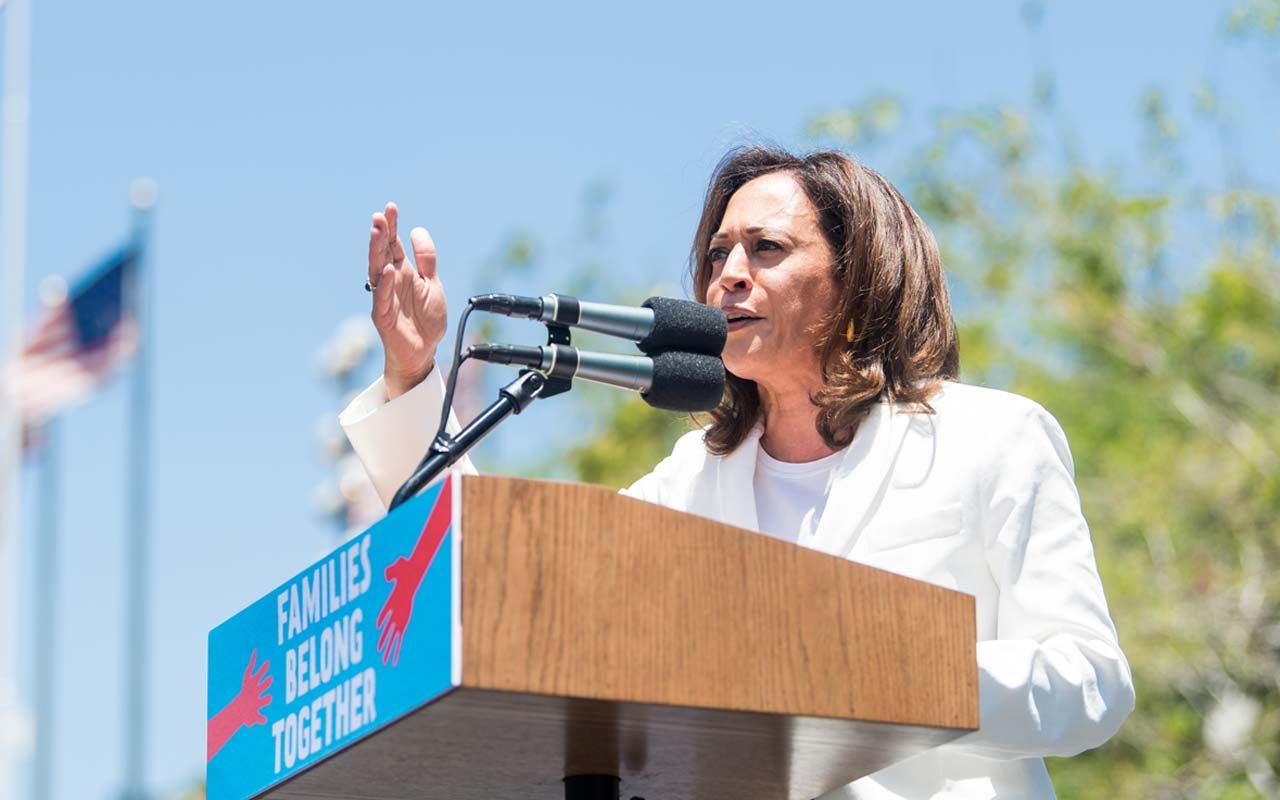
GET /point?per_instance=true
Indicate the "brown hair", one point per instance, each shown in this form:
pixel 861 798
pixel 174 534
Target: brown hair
pixel 891 287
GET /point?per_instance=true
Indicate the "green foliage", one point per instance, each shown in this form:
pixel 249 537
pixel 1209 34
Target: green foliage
pixel 636 437
pixel 1254 17
pixel 863 124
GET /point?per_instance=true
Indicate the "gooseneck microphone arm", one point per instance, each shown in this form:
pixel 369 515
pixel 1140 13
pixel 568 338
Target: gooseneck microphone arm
pixel 445 450
pixel 512 399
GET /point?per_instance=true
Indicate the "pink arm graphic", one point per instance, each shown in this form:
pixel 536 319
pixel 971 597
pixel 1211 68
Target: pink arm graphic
pixel 244 709
pixel 407 573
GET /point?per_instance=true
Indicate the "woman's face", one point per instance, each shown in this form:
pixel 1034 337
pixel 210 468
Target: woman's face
pixel 771 273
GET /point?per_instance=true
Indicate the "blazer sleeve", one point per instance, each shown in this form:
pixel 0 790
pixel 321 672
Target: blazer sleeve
pixel 390 437
pixel 1054 681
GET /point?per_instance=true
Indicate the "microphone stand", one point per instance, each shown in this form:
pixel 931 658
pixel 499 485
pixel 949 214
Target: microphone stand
pixel 513 398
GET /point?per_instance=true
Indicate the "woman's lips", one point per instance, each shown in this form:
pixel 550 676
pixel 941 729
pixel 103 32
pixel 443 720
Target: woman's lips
pixel 739 324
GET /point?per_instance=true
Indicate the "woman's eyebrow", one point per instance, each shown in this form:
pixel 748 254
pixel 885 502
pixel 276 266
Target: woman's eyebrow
pixel 751 231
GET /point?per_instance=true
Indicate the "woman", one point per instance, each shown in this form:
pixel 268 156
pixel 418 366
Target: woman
pixel 843 430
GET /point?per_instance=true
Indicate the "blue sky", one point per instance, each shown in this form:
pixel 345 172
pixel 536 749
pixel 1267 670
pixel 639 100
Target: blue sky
pixel 275 129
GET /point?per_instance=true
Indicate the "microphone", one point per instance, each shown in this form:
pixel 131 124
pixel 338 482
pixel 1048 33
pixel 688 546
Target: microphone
pixel 672 380
pixel 661 323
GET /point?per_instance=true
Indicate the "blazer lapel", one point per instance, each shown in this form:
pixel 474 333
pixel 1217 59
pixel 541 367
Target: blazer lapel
pixel 861 479
pixel 734 484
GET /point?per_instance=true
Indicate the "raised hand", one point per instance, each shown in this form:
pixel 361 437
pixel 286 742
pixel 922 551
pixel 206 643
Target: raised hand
pixel 244 710
pixel 409 308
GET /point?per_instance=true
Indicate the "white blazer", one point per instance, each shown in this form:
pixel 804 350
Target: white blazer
pixel 979 496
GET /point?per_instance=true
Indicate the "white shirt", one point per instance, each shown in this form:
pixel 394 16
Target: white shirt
pixel 790 496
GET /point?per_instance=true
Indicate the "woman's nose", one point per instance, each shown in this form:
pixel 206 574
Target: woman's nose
pixel 736 274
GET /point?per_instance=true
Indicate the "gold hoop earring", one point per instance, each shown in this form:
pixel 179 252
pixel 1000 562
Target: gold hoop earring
pixel 848 333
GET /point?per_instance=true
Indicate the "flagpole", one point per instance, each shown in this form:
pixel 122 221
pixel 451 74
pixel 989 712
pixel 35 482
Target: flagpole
pixel 142 197
pixel 15 113
pixel 45 593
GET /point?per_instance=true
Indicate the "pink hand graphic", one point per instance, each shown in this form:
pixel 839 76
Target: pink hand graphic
pixel 406 575
pixel 244 709
pixel 394 617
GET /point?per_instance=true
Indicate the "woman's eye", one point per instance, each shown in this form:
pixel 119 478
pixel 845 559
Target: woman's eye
pixel 716 254
pixel 767 244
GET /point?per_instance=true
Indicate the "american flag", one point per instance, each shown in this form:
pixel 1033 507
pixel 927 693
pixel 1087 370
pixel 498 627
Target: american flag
pixel 79 342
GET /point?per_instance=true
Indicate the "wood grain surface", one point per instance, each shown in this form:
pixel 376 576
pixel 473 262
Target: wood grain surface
pixel 573 590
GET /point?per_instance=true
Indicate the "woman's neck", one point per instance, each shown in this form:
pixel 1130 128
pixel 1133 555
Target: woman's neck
pixel 791 423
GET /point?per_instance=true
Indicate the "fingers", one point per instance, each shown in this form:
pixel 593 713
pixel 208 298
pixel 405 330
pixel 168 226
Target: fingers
pixel 248 671
pixel 385 246
pixel 386 635
pixel 396 251
pixel 392 213
pixel 395 659
pixel 384 297
pixel 378 238
pixel 265 685
pixel 262 670
pixel 424 252
pixel 383 615
pixel 396 287
pixel 391 646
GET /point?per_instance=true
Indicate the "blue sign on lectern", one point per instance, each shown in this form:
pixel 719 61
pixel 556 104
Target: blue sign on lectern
pixel 345 647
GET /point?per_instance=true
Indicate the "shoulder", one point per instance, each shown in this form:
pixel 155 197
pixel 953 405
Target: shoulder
pixel 691 442
pixel 995 424
pixel 991 414
pixel 965 402
pixel 689 452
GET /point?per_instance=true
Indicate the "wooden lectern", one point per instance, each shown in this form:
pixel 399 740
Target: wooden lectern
pixel 605 636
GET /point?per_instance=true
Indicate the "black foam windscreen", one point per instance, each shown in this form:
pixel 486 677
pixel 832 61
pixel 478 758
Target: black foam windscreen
pixel 684 325
pixel 686 382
